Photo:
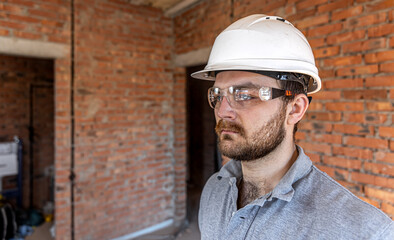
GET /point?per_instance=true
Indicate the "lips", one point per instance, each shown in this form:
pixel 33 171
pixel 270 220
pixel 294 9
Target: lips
pixel 223 127
pixel 226 131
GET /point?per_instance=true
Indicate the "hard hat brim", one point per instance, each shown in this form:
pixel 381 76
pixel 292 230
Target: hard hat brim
pixel 209 73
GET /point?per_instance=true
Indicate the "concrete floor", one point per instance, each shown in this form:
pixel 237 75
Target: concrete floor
pixel 191 231
pixel 42 232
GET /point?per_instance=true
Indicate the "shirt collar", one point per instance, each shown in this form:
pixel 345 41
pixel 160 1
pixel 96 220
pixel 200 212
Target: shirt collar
pixel 284 190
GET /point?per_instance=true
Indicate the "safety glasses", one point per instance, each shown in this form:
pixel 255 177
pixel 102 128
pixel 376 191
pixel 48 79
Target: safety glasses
pixel 244 97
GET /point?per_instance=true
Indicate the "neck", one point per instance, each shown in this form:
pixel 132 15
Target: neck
pixel 262 175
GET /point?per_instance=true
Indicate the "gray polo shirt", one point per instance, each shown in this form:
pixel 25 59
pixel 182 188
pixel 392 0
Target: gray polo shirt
pixel 306 204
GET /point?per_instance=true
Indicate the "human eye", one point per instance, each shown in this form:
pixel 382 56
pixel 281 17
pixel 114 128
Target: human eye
pixel 245 94
pixel 214 96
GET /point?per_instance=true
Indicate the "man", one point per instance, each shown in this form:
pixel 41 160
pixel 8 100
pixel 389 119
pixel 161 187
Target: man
pixel 263 69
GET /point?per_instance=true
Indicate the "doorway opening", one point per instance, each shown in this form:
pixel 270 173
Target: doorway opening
pixel 27 111
pixel 202 148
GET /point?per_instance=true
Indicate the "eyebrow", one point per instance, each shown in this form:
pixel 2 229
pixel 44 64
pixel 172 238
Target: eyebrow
pixel 245 85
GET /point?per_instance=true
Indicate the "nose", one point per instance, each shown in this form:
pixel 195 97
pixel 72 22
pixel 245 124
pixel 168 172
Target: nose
pixel 224 110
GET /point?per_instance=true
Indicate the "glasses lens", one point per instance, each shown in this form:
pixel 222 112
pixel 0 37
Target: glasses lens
pixel 265 93
pixel 213 96
pixel 239 98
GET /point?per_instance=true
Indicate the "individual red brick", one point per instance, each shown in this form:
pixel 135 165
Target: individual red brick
pixel 327 138
pixel 13 9
pixel 343 83
pixel 24 3
pixel 314 157
pixel 379 81
pixel 353 129
pixel 324 30
pixel 342 162
pixel 272 5
pixel 386 132
pixel 379 168
pixel 4 32
pixel 328 7
pixel 300 135
pixel 381 30
pixel 379 194
pixel 352 152
pixel 379 106
pixel 320 148
pixel 27 19
pixel 376 43
pixel 324 116
pixel 13 25
pixel 367 20
pixel 317 42
pixel 327 95
pixel 351 71
pixel 354 11
pixel 379 56
pixel 326 52
pixel 301 15
pixel 391 15
pixel 374 143
pixel 27 35
pixel 384 156
pixel 312 21
pixel 315 106
pixel 46 14
pixel 372 179
pixel 289 9
pixel 315 126
pixel 54 7
pixel 323 73
pixel 294 1
pixel 379 5
pixel 345 106
pixel 363 178
pixel 387 67
pixel 343 61
pixel 366 94
pixel 370 118
pixel 308 4
pixel 346 37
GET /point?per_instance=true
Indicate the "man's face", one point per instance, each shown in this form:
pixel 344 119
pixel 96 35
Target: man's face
pixel 251 132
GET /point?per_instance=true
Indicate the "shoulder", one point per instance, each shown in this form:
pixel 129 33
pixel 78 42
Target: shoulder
pixel 341 208
pixel 210 186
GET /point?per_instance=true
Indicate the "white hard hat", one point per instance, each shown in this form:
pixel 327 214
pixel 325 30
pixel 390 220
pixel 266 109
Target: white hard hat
pixel 262 43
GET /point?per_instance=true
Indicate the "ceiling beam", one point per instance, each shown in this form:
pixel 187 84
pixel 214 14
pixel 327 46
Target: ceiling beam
pixel 177 8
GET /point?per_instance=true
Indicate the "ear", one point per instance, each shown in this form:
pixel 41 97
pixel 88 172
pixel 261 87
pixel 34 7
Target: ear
pixel 298 108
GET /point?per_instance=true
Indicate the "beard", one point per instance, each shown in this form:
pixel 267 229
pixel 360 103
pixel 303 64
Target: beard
pixel 258 145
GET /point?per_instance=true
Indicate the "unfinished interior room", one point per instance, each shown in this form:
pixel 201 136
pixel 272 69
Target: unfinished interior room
pixel 104 134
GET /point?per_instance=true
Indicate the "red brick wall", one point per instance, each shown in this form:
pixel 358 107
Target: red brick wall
pixel 129 122
pixel 24 81
pixel 348 130
pixel 49 21
pixel 125 133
